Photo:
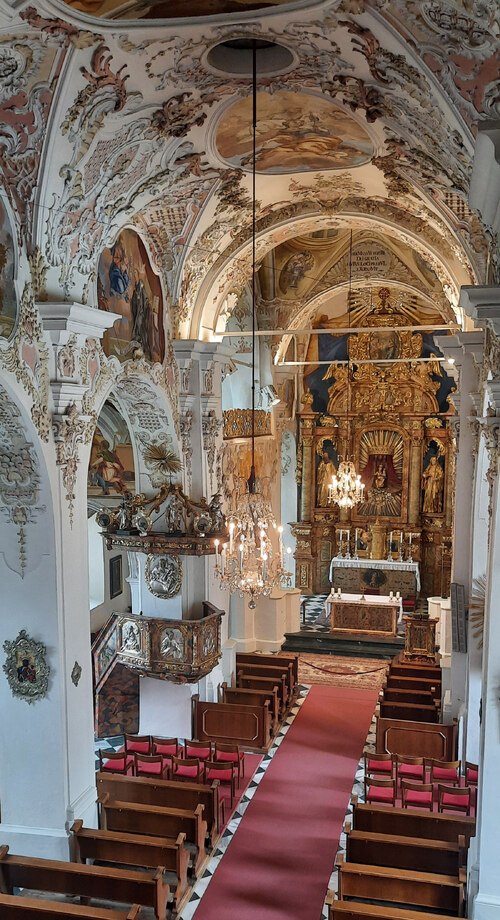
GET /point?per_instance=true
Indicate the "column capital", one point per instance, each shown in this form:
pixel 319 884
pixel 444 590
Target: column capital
pixel 482 303
pixel 63 319
pixel 484 191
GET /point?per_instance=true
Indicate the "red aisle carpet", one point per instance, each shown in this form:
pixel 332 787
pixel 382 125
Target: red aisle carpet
pixel 278 865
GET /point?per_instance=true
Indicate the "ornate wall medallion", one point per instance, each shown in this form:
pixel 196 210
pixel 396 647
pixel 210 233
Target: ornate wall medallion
pixel 26 668
pixel 76 673
pixel 164 575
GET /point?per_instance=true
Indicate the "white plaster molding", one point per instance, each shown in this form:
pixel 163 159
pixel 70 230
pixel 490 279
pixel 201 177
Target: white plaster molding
pixel 484 191
pixel 74 318
pixel 83 803
pixel 482 302
pixel 486 907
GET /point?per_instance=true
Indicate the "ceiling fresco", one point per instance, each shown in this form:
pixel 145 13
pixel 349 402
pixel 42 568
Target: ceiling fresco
pixel 371 127
pixel 296 132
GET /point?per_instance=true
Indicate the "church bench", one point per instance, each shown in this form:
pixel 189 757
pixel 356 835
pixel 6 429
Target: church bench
pixel 292 661
pixel 248 681
pixel 133 850
pixel 423 854
pixel 406 822
pixel 349 910
pixel 402 695
pixel 106 883
pixel 155 821
pixel 411 712
pixel 247 696
pixel 415 669
pixel 278 671
pixel 15 907
pixel 145 790
pixel 416 739
pixel 231 723
pixel 415 683
pixel 402 886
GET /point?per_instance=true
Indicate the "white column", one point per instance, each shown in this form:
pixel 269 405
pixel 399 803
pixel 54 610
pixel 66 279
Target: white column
pixel 486 904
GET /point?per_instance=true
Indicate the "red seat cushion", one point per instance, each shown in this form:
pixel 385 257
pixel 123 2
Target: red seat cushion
pixel 166 749
pixel 186 771
pixel 114 764
pixel 149 768
pixel 202 753
pixel 379 766
pixel 219 774
pixel 414 797
pixel 450 799
pixel 409 769
pixel 444 774
pixel 472 775
pixel 141 747
pixel 380 794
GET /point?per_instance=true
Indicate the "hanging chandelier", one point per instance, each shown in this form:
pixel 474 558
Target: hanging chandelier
pixel 346 488
pixel 252 562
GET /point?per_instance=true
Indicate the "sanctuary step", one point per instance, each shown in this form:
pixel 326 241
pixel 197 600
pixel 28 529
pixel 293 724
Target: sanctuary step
pixel 355 645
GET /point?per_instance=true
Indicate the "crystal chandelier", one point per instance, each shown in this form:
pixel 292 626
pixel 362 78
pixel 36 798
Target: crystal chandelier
pixel 248 562
pixel 346 488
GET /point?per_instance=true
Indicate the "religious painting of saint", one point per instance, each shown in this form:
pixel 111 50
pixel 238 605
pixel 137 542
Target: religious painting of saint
pixel 380 464
pixel 296 132
pixel 127 285
pixel 8 305
pixel 433 483
pixel 384 344
pixel 111 467
pixel 326 467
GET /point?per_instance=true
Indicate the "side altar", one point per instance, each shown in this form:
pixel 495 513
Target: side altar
pixel 377 576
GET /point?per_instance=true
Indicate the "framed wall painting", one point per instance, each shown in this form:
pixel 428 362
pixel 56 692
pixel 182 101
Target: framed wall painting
pixel 115 576
pixel 26 667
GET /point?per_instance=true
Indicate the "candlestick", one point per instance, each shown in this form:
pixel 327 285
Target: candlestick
pixel 400 536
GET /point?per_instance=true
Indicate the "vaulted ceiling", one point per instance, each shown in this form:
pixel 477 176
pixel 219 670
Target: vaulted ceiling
pixel 367 116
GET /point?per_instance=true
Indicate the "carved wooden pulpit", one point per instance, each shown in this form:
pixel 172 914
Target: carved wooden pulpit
pixel 420 639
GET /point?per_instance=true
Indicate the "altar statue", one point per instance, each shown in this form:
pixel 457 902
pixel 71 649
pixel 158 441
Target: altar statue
pixel 326 470
pixel 432 484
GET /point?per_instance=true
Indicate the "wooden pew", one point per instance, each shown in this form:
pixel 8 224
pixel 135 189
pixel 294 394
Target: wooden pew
pixel 415 669
pixel 278 671
pixel 231 723
pixel 133 850
pixel 251 697
pixel 154 821
pixel 106 883
pixel 292 661
pixel 398 695
pixel 411 712
pixel 425 855
pixel 416 739
pixel 415 683
pixel 349 910
pixel 14 907
pixel 246 680
pixel 406 822
pixel 145 790
pixel 402 886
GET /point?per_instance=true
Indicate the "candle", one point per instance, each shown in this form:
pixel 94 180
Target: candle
pixel 390 541
pixel 409 539
pixel 264 564
pixel 356 538
pixel 223 558
pixel 391 595
pixel 401 536
pixel 231 531
pixel 241 554
pixel 397 595
pixel 216 542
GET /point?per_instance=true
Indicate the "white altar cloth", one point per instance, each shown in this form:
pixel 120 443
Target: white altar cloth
pixel 394 565
pixel 363 599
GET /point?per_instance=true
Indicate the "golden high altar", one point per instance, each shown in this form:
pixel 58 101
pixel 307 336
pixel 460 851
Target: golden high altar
pixel 398 431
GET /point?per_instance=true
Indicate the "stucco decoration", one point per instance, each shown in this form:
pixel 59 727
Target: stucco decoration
pixel 8 305
pixel 26 668
pixel 296 132
pixel 70 429
pixel 76 673
pixel 19 475
pixel 27 358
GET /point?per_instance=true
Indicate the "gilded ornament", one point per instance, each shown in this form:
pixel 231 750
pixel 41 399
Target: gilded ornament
pixel 26 668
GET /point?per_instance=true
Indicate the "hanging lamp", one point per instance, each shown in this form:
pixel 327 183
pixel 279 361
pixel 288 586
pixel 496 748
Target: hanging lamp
pixel 249 562
pixel 346 489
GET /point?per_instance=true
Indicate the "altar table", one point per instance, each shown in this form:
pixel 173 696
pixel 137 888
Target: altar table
pixel 357 575
pixel 357 613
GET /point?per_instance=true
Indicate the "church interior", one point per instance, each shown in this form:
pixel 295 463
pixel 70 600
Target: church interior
pixel 249 453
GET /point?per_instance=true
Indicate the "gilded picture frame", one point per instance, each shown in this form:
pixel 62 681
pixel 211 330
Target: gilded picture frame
pixel 26 668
